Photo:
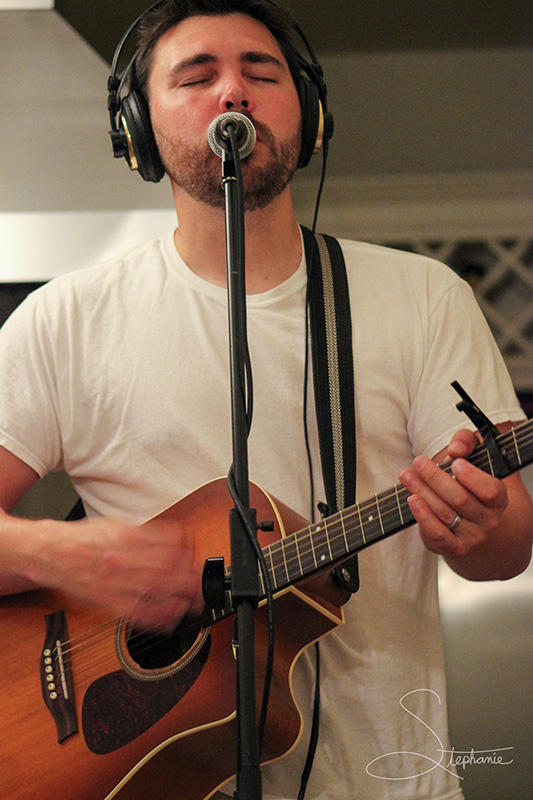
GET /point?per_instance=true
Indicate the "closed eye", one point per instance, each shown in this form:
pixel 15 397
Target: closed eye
pixel 196 82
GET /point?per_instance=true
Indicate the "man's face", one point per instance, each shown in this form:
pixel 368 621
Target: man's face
pixel 204 67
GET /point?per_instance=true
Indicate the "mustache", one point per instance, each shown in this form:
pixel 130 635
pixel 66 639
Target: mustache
pixel 262 130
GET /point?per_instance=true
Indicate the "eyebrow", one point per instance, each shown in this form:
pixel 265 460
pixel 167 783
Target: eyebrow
pixel 255 57
pixel 251 57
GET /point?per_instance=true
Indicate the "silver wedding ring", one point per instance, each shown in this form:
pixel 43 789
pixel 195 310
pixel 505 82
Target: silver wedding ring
pixel 453 525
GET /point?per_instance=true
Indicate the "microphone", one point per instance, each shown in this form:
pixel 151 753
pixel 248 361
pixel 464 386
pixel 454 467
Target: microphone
pixel 219 138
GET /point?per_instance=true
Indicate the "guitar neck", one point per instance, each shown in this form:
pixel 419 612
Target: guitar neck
pixel 347 532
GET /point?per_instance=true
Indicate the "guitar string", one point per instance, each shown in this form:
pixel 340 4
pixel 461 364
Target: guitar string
pixel 85 639
pixel 291 577
pixel 88 640
pixel 307 542
pixel 397 494
pixel 306 534
pixel 380 503
pixel 97 640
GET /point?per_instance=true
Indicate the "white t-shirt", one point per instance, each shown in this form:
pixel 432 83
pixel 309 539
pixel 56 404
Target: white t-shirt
pixel 119 374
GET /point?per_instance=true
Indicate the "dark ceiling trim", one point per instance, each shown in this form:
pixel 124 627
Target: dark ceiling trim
pixel 348 25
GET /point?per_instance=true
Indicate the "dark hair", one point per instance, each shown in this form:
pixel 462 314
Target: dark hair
pixel 171 13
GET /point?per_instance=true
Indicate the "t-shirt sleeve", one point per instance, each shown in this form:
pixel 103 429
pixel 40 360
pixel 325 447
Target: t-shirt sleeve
pixel 28 389
pixel 460 347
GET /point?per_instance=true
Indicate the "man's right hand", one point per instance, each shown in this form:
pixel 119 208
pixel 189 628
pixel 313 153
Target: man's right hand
pixel 146 573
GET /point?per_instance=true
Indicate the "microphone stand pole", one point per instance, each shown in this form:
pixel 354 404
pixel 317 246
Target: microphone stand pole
pixel 244 565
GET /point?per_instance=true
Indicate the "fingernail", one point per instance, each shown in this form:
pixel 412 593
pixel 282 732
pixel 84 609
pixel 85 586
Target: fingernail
pixel 414 503
pixel 405 475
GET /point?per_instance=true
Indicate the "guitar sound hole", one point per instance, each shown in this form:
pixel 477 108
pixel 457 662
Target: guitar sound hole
pixel 156 651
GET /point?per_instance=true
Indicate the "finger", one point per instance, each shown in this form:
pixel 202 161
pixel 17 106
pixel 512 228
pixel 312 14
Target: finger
pixel 473 493
pixel 437 535
pixel 432 500
pixel 445 496
pixel 490 491
pixel 462 443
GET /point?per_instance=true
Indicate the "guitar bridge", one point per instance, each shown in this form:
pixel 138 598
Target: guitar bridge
pixel 57 684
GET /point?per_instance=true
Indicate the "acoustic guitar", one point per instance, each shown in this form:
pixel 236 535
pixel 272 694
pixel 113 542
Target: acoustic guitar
pixel 92 709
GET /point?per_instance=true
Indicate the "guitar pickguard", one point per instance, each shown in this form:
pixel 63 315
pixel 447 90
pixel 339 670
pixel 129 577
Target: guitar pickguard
pixel 117 708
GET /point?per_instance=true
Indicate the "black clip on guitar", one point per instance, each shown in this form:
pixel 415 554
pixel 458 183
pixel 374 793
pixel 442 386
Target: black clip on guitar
pixel 488 431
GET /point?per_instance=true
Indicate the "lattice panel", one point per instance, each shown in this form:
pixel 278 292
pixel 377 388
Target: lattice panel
pixel 500 271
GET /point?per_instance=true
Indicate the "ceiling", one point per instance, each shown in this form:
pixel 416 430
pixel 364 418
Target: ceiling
pixel 399 110
pixel 349 25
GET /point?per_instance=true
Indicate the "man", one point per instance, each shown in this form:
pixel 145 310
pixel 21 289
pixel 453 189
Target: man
pixel 119 375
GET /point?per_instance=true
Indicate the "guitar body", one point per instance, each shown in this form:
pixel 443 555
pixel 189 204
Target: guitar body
pixel 86 715
pixel 131 730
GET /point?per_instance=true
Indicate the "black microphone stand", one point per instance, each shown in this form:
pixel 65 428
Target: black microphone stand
pixel 243 523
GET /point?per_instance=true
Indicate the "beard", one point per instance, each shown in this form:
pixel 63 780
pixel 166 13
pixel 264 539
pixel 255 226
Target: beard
pixel 198 170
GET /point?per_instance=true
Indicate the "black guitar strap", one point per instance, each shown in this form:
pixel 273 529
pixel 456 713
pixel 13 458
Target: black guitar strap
pixel 333 377
pixel 330 324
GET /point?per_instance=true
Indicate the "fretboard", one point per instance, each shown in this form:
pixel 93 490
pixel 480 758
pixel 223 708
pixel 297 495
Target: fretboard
pixel 349 531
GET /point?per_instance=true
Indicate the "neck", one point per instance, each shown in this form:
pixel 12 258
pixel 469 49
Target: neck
pixel 272 240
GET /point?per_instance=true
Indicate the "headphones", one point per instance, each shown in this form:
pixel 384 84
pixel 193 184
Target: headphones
pixel 131 131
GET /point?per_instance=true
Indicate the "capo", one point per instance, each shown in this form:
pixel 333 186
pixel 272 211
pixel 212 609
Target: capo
pixel 488 431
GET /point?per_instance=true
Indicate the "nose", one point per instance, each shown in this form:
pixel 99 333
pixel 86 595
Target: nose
pixel 234 96
pixel 230 105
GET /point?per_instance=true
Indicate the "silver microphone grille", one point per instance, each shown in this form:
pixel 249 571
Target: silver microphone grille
pixel 218 136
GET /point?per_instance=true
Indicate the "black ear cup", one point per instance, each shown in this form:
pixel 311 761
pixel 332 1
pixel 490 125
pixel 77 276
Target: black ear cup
pixel 311 119
pixel 143 153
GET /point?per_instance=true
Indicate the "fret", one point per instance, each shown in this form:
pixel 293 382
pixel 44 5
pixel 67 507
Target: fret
pixel 515 442
pixel 282 577
pixel 298 555
pixel 317 529
pixel 369 520
pixel 338 543
pixel 527 441
pixel 379 515
pixel 306 552
pixel 321 552
pixel 272 569
pixel 341 517
pixel 283 545
pixel 398 503
pixel 292 558
pixel 326 533
pixel 361 523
